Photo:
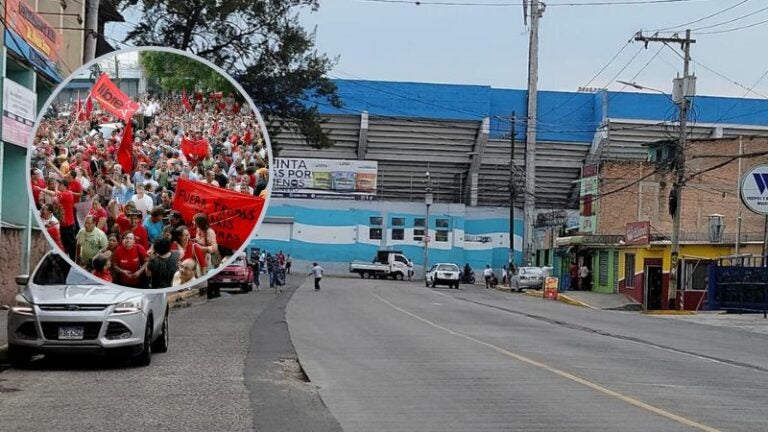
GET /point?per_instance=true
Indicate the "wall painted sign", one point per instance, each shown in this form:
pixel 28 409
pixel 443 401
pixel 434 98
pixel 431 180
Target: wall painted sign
pixel 324 178
pixel 754 189
pixel 638 233
pixel 36 31
pixel 18 113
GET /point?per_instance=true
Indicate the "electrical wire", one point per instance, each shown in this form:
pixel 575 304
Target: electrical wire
pixel 518 4
pixel 721 11
pixel 739 18
pixel 735 28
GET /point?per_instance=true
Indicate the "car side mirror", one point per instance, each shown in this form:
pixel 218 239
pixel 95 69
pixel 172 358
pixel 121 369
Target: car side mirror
pixel 22 280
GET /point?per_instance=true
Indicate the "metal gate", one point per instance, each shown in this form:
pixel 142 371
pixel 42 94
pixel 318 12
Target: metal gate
pixel 739 284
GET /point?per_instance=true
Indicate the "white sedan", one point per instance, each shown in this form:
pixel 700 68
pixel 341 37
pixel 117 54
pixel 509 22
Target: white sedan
pixel 443 274
pixel 527 277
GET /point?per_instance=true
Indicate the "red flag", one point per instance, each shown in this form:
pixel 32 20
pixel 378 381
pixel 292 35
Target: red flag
pixel 185 100
pixel 112 99
pixel 125 151
pixel 232 215
pixel 88 107
pixel 194 149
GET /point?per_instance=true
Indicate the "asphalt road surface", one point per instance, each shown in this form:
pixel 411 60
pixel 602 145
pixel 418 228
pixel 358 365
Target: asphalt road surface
pixel 392 356
pixel 230 367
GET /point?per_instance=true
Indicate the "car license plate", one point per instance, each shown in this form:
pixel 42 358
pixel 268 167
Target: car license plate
pixel 71 333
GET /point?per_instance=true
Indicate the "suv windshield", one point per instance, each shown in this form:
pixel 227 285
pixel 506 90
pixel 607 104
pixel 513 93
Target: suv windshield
pixel 448 268
pixel 56 271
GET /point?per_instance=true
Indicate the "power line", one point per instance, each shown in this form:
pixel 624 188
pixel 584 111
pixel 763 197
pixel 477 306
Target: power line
pixel 735 28
pixel 721 11
pixel 739 18
pixel 518 4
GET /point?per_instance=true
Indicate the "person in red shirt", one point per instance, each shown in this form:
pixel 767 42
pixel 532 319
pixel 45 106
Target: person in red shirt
pixel 37 181
pixel 189 249
pixel 67 225
pixel 99 214
pixel 128 262
pixel 74 186
pixel 51 224
pixel 135 226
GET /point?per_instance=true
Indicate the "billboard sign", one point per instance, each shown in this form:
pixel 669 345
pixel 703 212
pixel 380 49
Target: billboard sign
pixel 325 178
pixel 33 28
pixel 18 113
pixel 754 189
pixel 587 203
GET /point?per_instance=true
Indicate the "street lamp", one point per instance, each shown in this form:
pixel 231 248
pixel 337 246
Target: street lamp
pixel 428 198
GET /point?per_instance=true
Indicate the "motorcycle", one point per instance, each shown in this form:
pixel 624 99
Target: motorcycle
pixel 467 278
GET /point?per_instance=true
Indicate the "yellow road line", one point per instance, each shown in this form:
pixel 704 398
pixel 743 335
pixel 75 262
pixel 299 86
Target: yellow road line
pixel 627 399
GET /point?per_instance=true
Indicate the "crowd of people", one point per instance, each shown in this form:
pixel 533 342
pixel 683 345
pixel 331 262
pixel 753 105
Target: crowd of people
pixel 131 235
pixel 276 267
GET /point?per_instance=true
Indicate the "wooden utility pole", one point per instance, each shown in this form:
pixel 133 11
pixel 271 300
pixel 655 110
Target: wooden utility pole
pixel 529 209
pixel 686 89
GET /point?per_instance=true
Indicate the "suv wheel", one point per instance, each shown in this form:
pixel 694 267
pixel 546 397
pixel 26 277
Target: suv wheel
pixel 399 276
pixel 162 342
pixel 145 357
pixel 18 357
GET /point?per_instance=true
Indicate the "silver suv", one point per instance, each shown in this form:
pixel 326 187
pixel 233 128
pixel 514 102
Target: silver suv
pixel 60 310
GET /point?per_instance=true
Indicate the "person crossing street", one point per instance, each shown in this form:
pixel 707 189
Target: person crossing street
pixel 317 272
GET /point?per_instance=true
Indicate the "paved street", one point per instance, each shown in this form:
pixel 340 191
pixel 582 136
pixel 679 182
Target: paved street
pixel 399 356
pixel 385 355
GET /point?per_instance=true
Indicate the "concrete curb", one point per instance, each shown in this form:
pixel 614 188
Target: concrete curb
pixel 669 312
pixel 564 298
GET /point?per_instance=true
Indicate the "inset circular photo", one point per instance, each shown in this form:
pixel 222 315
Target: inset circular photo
pixel 150 169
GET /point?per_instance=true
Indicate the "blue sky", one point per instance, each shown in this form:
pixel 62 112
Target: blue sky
pixel 489 45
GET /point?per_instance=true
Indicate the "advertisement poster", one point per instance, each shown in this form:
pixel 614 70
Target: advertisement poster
pixel 587 203
pixel 18 113
pixel 325 178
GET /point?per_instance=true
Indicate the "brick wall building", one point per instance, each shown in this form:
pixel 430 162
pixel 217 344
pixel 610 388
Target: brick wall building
pixel 713 191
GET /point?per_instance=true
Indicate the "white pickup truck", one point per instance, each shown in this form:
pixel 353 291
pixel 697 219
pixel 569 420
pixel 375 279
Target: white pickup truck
pixel 386 264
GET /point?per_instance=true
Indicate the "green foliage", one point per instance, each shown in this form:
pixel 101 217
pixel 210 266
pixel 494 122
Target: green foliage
pixel 260 43
pixel 174 72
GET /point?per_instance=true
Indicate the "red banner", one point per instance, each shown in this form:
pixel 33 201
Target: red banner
pixel 194 149
pixel 232 215
pixel 88 107
pixel 125 151
pixel 112 99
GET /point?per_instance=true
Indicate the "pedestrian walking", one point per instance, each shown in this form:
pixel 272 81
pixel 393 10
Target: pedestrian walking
pixel 288 263
pixel 574 273
pixel 256 272
pixel 317 272
pixel 583 278
pixel 487 274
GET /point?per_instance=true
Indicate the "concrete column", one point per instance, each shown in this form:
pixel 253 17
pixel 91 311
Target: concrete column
pixel 362 141
pixel 476 160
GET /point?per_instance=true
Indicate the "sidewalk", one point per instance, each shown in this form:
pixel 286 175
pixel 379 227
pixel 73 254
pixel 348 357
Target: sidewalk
pixel 593 300
pixel 175 300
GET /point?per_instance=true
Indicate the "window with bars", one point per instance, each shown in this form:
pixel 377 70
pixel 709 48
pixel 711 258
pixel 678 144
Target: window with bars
pixel 602 267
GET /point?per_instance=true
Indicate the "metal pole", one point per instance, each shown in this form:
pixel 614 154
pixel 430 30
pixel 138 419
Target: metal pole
pixel 91 29
pixel 765 241
pixel 537 10
pixel 738 211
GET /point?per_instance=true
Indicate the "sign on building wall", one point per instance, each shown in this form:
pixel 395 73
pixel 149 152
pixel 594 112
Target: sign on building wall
pixel 587 203
pixel 32 27
pixel 18 113
pixel 325 178
pixel 754 189
pixel 638 233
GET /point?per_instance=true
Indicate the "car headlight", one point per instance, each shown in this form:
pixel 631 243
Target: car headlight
pixel 22 307
pixel 132 305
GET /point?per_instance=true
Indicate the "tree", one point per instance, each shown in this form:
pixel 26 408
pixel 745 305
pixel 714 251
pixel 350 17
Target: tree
pixel 174 72
pixel 261 44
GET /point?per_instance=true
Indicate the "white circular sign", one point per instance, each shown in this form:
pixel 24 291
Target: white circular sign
pixel 754 189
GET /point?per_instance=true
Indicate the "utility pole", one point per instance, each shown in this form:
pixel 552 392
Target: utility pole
pixel 512 192
pixel 686 89
pixel 537 10
pixel 428 199
pixel 91 29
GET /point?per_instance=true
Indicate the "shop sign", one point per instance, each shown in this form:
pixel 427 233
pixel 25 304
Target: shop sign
pixel 754 189
pixel 638 233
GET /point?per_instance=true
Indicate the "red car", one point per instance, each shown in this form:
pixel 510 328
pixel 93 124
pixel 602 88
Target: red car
pixel 239 274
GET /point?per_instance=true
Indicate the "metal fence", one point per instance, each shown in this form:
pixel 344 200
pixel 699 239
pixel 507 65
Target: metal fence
pixel 741 285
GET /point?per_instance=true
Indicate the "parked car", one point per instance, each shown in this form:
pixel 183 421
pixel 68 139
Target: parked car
pixel 443 274
pixel 527 277
pixel 239 274
pixel 60 310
